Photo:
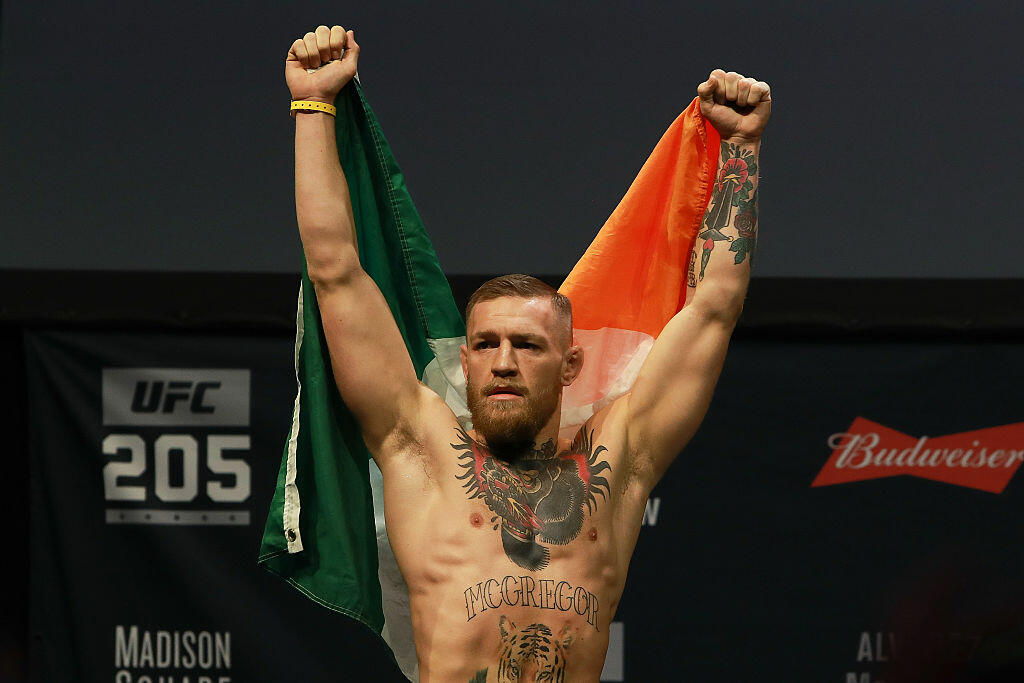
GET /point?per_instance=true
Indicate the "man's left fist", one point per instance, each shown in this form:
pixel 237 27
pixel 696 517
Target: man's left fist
pixel 738 107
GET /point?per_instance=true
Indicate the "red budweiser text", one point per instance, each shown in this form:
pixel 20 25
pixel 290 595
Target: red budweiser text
pixel 984 459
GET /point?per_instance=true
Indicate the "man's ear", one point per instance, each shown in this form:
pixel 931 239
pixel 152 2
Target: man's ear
pixel 572 365
pixel 464 359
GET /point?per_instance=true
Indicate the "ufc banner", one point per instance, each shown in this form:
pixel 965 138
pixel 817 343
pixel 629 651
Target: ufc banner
pixel 154 457
pixel 847 512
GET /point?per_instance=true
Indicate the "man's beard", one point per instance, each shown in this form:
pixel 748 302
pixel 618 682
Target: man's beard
pixel 513 424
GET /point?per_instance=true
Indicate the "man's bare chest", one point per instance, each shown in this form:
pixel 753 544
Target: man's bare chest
pixel 559 501
pixel 537 502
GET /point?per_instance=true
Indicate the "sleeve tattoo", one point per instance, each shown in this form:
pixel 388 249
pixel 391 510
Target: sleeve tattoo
pixel 731 216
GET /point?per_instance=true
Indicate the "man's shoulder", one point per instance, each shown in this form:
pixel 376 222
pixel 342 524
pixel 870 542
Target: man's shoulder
pixel 425 422
pixel 608 423
pixel 606 434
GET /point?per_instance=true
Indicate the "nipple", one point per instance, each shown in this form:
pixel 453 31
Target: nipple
pixel 593 533
pixel 475 519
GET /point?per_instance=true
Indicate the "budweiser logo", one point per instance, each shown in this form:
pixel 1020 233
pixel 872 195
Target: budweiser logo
pixel 984 459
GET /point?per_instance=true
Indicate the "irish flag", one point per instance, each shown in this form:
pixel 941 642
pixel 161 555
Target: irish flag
pixel 325 529
pixel 632 278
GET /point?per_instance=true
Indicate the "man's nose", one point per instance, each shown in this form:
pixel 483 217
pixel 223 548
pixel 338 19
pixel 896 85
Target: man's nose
pixel 505 361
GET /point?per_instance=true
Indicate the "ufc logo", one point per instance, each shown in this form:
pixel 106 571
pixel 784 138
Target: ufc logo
pixel 176 397
pixel 151 396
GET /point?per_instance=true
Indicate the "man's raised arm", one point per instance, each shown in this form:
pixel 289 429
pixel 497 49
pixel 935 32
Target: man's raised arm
pixel 673 390
pixel 371 365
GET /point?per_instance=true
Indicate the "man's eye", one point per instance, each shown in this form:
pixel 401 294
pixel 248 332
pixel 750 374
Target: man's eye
pixel 484 345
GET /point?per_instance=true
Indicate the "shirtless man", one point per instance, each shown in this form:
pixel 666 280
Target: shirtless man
pixel 515 543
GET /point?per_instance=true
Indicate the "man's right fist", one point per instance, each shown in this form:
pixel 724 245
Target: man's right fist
pixel 332 48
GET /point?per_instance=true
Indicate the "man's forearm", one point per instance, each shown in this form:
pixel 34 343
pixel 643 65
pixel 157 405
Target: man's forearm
pixel 322 203
pixel 719 265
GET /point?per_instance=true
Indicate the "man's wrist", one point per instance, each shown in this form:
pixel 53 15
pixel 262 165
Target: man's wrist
pixel 326 99
pixel 314 104
pixel 743 141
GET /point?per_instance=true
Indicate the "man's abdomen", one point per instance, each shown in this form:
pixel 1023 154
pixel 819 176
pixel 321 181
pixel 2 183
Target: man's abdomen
pixel 478 614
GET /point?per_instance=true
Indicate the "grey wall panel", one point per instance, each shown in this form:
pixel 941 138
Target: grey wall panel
pixel 155 136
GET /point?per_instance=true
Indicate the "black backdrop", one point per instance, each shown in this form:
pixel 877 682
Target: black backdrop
pixel 745 573
pixel 890 145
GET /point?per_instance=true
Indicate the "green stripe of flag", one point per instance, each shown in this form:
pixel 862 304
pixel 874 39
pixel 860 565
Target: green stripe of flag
pixel 320 529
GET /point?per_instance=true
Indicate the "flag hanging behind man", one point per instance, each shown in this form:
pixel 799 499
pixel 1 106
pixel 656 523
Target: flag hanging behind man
pixel 632 278
pixel 323 533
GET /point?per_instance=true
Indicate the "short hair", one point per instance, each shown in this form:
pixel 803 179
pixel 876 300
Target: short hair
pixel 524 287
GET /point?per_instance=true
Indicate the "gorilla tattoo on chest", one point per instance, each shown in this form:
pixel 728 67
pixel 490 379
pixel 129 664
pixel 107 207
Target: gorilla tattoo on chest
pixel 540 498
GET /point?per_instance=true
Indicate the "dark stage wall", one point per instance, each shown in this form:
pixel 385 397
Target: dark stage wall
pixel 780 546
pixel 155 136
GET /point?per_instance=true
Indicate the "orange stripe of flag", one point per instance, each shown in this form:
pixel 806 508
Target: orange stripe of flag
pixel 633 275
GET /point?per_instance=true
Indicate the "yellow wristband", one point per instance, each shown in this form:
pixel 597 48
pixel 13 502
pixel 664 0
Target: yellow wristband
pixel 312 105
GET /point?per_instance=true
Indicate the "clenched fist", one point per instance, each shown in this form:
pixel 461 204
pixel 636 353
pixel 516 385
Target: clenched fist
pixel 335 50
pixel 736 106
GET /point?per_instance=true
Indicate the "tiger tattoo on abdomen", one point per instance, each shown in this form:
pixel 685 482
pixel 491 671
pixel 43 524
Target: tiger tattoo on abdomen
pixel 529 655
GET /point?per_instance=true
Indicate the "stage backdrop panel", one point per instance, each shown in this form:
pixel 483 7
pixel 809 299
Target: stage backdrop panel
pixel 848 511
pixel 154 457
pixel 754 573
